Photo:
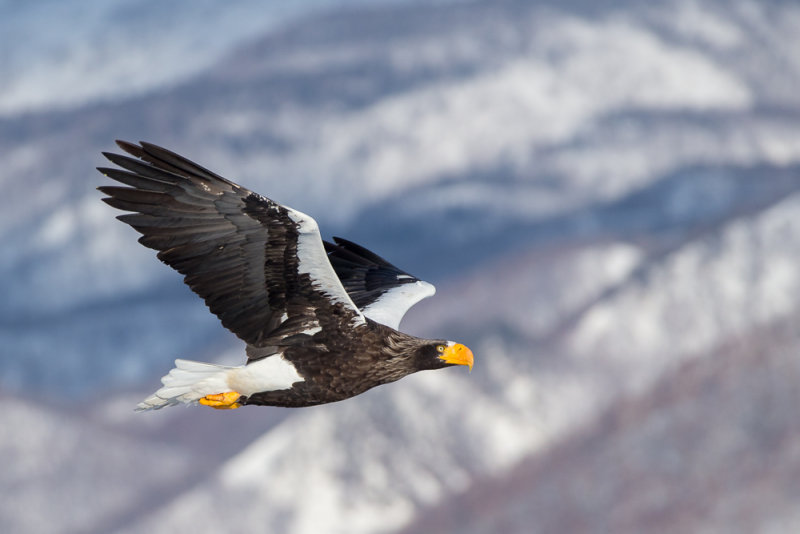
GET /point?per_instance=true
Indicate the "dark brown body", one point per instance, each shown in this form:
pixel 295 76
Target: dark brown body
pixel 339 367
pixel 263 269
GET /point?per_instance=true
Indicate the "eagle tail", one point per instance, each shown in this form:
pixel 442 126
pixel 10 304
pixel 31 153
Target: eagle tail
pixel 187 383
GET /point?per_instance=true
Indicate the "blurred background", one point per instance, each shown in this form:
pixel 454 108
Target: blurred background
pixel 606 195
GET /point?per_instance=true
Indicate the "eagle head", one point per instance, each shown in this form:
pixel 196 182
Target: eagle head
pixel 439 354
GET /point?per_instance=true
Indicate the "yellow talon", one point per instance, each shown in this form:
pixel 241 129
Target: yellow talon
pixel 222 401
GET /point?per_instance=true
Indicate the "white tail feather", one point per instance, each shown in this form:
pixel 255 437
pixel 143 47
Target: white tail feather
pixel 187 383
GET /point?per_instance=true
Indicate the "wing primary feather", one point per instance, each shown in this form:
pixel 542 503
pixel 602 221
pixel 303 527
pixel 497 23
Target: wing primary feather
pixel 162 155
pixel 136 180
pixel 253 261
pixel 383 292
pixel 362 252
pixel 145 169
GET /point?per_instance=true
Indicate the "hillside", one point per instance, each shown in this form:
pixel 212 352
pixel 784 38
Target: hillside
pixel 606 196
pixel 710 447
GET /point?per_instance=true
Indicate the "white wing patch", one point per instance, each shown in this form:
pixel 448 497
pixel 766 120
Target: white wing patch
pixel 390 308
pixel 313 260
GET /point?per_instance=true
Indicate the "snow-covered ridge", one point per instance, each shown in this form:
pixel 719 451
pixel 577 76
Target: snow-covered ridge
pixel 712 288
pixel 367 465
pixel 549 115
pixel 494 120
pixel 57 463
pixel 83 51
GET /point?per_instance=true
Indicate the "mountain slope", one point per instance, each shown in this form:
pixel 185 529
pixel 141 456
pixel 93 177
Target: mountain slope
pixel 474 126
pixel 712 446
pixel 605 195
pixel 65 472
pixel 376 462
pixel 84 51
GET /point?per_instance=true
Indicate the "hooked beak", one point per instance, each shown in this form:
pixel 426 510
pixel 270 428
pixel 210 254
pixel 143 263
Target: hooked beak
pixel 457 354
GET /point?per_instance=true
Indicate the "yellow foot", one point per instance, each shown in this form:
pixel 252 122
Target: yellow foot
pixel 222 401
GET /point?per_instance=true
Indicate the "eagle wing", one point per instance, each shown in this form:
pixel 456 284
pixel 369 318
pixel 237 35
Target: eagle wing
pixel 260 267
pixel 383 292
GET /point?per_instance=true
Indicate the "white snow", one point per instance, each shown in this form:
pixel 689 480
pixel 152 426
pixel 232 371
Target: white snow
pixel 582 110
pixel 88 50
pixel 709 289
pixel 503 113
pixel 57 463
pixel 698 20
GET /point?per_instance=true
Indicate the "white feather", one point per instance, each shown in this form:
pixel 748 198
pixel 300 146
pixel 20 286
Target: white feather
pixel 270 374
pixel 190 381
pixel 313 260
pixel 311 331
pixel 390 308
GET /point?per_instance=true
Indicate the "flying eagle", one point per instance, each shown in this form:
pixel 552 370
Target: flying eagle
pixel 319 319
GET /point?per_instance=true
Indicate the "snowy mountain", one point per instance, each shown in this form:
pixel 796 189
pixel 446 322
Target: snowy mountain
pixel 76 53
pixel 55 459
pixel 369 466
pixel 605 194
pixel 491 102
pixel 711 447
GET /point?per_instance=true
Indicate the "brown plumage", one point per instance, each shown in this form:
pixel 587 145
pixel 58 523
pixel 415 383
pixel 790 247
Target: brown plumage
pixel 263 270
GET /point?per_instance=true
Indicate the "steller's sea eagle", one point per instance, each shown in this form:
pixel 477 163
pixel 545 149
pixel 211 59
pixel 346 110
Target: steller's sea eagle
pixel 319 319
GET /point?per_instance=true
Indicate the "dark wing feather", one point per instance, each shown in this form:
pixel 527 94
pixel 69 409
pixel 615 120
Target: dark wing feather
pixel 259 266
pixel 381 291
pixel 364 275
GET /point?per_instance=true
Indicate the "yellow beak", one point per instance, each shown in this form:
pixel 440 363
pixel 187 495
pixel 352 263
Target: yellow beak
pixel 458 354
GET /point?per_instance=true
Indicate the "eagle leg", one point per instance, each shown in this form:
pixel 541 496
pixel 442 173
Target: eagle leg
pixel 222 401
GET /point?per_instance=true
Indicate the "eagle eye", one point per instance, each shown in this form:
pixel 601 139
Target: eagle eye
pixel 440 348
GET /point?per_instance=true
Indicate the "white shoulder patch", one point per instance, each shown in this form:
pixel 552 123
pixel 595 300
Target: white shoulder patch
pixel 313 260
pixel 390 308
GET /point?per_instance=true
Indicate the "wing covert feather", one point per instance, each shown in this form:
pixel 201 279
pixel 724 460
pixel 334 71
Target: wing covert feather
pixel 255 262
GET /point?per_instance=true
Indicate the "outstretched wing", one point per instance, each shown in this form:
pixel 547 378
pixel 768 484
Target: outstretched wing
pixel 383 292
pixel 260 266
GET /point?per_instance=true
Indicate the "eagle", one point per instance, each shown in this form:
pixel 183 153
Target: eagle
pixel 319 319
